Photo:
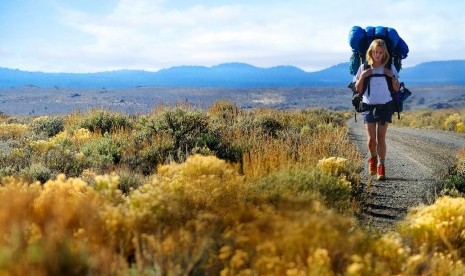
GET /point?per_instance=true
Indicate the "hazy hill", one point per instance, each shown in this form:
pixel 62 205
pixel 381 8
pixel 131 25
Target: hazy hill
pixel 230 75
pixel 442 72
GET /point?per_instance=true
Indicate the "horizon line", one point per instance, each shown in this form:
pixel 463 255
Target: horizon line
pixel 212 66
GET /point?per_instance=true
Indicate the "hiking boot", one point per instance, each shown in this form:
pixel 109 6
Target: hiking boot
pixel 381 172
pixel 372 162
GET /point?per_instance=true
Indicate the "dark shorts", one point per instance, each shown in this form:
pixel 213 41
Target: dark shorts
pixel 379 113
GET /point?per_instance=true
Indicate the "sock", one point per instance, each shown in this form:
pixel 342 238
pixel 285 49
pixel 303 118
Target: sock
pixel 380 161
pixel 374 154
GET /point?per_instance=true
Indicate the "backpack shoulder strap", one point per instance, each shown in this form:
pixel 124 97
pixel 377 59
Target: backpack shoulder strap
pixel 366 82
pixel 389 79
pixel 366 65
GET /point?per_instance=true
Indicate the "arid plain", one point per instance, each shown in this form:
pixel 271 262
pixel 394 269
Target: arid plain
pixel 32 100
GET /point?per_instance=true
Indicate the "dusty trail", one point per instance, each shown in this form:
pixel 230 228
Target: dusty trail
pixel 416 162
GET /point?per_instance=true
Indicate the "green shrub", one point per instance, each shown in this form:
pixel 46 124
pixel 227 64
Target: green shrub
pixel 62 160
pixel 105 122
pixel 454 185
pixel 300 187
pixel 142 156
pixel 129 180
pixel 48 126
pixel 222 146
pixel 18 158
pixel 186 127
pixel 102 153
pixel 225 111
pixel 7 171
pixel 37 172
pixel 269 125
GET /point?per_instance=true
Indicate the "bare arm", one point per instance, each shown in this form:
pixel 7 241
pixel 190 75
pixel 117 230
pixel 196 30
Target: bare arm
pixel 359 83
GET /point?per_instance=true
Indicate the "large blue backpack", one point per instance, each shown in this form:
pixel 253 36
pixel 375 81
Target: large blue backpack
pixel 359 40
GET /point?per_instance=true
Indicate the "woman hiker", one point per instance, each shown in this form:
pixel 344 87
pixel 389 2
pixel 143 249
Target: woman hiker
pixel 373 80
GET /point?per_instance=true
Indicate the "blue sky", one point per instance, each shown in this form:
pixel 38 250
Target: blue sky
pixel 103 35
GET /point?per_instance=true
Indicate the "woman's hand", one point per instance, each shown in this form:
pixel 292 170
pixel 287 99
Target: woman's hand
pixel 395 82
pixel 388 72
pixel 366 73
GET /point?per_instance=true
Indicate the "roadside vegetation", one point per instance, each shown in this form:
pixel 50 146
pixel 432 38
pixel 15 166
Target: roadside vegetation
pixel 183 191
pixel 442 119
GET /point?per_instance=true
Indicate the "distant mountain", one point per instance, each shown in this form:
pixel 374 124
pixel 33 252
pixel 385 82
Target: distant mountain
pixel 229 75
pixel 442 72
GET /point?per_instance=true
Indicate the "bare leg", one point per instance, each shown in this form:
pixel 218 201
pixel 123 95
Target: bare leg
pixel 381 138
pixel 371 138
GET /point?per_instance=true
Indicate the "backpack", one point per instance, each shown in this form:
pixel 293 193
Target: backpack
pixel 359 40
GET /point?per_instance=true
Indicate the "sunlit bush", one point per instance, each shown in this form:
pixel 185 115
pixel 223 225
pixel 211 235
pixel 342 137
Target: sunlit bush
pixel 176 215
pixel 435 264
pixel 437 228
pixel 187 128
pixel 83 135
pixel 268 125
pixel 452 121
pixel 444 119
pixel 59 154
pixel 225 111
pixel 47 126
pixel 54 229
pixel 334 165
pixel 201 183
pixel 102 153
pixel 104 121
pixel 460 127
pixel 293 242
pixel 302 186
pixel 17 158
pixel 12 131
pixel 37 172
pixel 129 181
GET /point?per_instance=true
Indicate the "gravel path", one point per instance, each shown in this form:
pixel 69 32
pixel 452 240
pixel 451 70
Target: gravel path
pixel 416 162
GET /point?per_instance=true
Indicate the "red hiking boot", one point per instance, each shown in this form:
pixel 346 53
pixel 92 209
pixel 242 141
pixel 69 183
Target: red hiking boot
pixel 381 172
pixel 372 162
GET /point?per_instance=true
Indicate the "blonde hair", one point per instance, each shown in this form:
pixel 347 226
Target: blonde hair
pixel 373 45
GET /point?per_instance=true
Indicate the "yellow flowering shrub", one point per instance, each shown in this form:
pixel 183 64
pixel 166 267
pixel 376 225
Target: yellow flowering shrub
pixel 386 255
pixel 42 146
pixel 173 215
pixel 460 163
pixel 439 227
pixel 339 167
pixel 40 119
pixel 333 165
pixel 82 135
pixel 53 229
pixel 460 127
pixel 428 263
pixel 391 253
pixel 12 131
pixel 452 121
pixel 201 183
pixel 291 242
pixel 443 119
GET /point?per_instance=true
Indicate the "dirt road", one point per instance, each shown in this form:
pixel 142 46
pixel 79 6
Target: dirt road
pixel 416 163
